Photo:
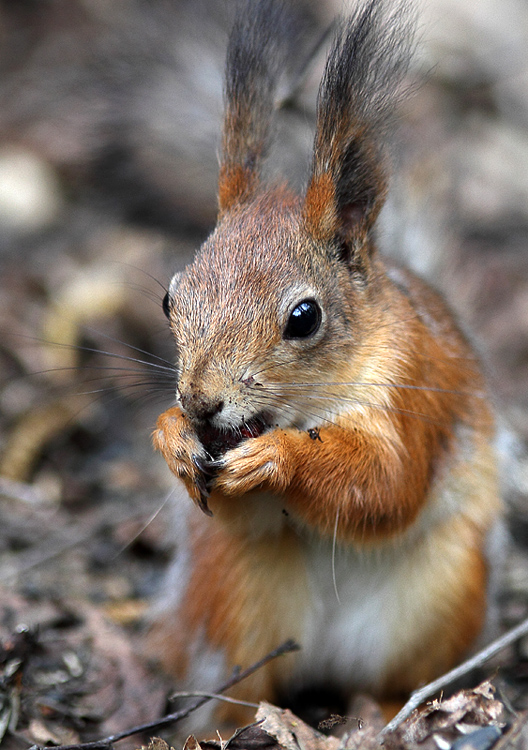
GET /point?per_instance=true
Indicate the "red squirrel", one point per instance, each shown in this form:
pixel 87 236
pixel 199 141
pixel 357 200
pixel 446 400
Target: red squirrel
pixel 331 419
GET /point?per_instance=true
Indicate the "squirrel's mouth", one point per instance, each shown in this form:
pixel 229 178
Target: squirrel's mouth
pixel 217 440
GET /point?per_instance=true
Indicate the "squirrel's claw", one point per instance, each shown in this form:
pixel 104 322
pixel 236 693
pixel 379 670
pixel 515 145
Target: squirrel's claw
pixel 205 465
pixel 215 466
pixel 201 502
pixel 201 482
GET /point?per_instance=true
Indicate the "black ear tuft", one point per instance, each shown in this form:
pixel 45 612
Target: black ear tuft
pixel 256 56
pixel 362 81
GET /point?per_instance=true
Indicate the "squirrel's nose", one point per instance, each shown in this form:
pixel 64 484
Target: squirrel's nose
pixel 199 407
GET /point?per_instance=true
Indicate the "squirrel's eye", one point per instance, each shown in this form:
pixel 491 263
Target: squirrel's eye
pixel 304 320
pixel 166 305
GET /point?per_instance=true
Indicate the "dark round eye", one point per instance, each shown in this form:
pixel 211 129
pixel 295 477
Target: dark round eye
pixel 166 305
pixel 304 320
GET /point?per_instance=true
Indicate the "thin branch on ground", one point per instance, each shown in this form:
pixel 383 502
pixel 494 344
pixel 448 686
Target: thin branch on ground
pixel 107 742
pixel 215 696
pixel 480 658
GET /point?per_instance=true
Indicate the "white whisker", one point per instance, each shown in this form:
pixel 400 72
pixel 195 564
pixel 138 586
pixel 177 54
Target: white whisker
pixel 334 544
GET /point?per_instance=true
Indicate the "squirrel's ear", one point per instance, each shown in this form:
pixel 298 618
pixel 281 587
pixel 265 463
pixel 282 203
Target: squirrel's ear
pixel 365 68
pixel 255 58
pixel 343 200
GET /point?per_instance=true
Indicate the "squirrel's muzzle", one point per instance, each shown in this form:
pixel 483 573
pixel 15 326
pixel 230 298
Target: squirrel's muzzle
pixel 199 407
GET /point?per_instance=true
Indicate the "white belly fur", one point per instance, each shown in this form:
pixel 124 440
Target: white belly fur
pixel 359 607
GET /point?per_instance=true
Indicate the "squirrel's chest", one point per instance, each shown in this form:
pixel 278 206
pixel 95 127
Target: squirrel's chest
pixel 354 610
pixel 346 606
pixel 358 606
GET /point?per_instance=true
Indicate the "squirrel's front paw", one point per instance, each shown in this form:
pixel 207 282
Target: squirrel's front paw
pixel 262 461
pixel 186 457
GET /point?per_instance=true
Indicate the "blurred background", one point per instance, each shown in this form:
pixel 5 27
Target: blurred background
pixel 110 116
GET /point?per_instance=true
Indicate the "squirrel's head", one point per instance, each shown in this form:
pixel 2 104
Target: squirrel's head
pixel 276 294
pixel 263 306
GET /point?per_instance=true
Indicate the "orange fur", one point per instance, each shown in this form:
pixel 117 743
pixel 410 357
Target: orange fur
pixel 235 185
pixel 319 208
pixel 457 594
pixel 228 601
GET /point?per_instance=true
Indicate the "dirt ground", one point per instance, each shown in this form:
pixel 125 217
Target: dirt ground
pixel 109 129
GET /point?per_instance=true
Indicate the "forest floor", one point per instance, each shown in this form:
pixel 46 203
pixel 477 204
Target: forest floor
pixel 99 205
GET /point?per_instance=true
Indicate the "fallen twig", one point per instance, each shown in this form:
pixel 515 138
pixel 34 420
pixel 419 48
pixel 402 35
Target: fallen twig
pixel 427 691
pixel 215 696
pixel 107 742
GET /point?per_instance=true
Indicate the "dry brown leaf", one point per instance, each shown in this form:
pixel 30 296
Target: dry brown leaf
pixel 464 711
pixel 290 732
pixel 156 743
pixel 128 694
pixel 365 738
